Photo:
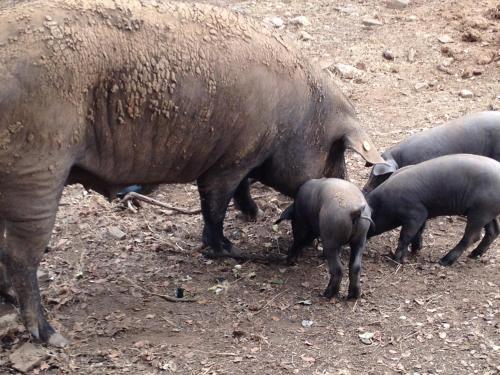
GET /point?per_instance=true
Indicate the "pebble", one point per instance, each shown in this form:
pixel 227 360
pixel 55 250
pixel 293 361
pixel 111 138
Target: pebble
pixel 388 55
pixel 411 54
pixel 277 22
pixel 300 21
pixel 347 71
pixel 448 61
pixel 27 357
pixel 116 233
pixel 444 68
pixel 366 337
pixel 421 85
pixel 445 39
pixel 466 93
pixel 305 36
pixel 307 323
pixel 371 22
pixel 412 18
pixel 397 4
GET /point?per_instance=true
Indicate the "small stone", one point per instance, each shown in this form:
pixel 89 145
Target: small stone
pixel 371 22
pixel 300 21
pixel 347 71
pixel 485 59
pixel 27 357
pixel 477 71
pixel 397 4
pixel 443 68
pixel 448 61
pixel 48 18
pixel 305 36
pixel 366 337
pixel 388 55
pixel 445 39
pixel 276 22
pixel 43 277
pixel 466 93
pixel 412 18
pixel 421 85
pixel 411 54
pixel 116 233
pixel 307 323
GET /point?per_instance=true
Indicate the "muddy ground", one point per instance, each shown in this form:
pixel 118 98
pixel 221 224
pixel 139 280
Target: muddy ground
pixel 413 319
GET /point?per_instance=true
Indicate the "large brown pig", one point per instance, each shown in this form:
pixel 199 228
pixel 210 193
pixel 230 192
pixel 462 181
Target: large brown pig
pixel 112 93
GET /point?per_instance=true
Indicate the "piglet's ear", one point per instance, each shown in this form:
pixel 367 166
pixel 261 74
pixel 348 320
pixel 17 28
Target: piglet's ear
pixel 359 141
pixel 384 168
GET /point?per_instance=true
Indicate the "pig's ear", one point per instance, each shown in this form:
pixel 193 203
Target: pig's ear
pixel 359 141
pixel 388 167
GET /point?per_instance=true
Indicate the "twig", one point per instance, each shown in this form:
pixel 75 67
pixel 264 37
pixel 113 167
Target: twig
pixel 133 195
pixel 355 304
pixel 163 296
pixel 268 303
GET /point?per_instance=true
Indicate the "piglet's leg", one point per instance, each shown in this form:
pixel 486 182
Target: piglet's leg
pixel 472 234
pixel 302 236
pixel 492 230
pixel 416 242
pixel 332 253
pixel 357 248
pixel 409 230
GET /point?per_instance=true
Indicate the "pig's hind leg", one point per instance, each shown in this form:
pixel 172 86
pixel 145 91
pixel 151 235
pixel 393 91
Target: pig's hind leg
pixel 243 201
pixel 475 224
pixel 332 253
pixel 492 230
pixel 357 245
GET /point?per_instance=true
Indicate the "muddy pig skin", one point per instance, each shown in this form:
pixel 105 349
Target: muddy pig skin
pixel 111 93
pixel 336 211
pixel 461 184
pixel 477 133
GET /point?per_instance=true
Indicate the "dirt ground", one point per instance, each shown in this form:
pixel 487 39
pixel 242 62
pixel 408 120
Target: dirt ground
pixel 419 318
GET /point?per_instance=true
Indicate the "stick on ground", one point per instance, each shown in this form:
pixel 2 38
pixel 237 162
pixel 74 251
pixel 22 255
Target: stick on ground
pixel 163 296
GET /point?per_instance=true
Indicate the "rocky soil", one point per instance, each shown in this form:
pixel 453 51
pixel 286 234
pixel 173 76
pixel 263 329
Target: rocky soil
pixel 407 66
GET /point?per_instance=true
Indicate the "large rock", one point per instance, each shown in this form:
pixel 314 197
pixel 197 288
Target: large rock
pixel 27 357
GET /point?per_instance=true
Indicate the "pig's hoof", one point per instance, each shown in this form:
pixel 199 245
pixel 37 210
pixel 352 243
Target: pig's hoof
pixel 291 260
pixel 354 294
pixel 251 217
pixel 445 261
pixel 8 296
pixel 57 340
pixel 398 258
pixel 228 250
pixel 329 294
pixel 475 255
